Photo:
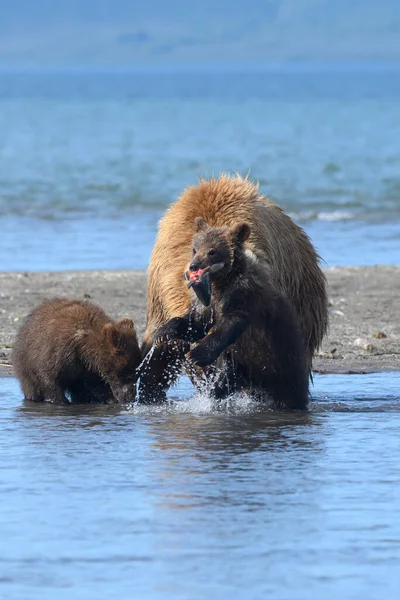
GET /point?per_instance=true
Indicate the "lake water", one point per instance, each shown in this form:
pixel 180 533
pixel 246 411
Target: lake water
pixel 186 502
pixel 90 161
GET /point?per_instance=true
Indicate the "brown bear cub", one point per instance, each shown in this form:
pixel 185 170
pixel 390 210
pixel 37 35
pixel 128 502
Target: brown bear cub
pixel 240 321
pixel 72 346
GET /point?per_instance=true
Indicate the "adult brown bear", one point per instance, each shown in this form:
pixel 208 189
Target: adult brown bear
pixel 279 250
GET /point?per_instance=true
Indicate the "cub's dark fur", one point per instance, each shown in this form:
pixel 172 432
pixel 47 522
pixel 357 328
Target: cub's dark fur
pixel 250 331
pixel 68 345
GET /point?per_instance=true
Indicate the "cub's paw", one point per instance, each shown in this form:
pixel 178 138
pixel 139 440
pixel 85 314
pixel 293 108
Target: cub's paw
pixel 169 331
pixel 162 335
pixel 200 356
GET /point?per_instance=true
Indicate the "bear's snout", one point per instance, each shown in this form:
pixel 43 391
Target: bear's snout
pixel 124 393
pixel 194 266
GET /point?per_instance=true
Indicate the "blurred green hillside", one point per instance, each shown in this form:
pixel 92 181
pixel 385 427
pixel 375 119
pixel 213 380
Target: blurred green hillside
pixel 123 33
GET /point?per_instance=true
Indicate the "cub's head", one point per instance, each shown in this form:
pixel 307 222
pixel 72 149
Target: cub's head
pixel 121 356
pixel 214 252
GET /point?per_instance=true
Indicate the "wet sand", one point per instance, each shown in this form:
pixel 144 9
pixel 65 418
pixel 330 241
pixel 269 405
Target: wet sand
pixel 364 331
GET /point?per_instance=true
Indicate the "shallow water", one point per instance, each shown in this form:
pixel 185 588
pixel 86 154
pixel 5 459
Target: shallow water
pixel 190 502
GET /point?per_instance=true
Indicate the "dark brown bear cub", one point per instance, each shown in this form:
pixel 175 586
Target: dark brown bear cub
pixel 240 321
pixel 68 345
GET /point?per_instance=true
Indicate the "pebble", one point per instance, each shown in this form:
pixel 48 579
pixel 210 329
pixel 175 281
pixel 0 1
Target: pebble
pixel 337 312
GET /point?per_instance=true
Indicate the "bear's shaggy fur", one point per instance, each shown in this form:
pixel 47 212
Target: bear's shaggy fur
pixel 68 345
pixel 276 244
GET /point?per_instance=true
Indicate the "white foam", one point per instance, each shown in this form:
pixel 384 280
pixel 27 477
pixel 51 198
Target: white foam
pixel 336 215
pixel 312 215
pixel 184 398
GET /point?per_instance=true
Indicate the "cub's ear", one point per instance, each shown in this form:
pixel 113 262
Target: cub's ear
pixel 127 332
pixel 200 224
pixel 111 334
pixel 240 232
pixel 126 324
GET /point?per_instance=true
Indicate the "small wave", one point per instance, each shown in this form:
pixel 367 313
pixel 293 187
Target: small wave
pixel 333 215
pixel 104 186
pixel 339 406
pixel 201 404
pixel 331 167
pixel 336 215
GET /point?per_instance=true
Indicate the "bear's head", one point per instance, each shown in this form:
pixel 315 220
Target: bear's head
pixel 120 357
pixel 214 253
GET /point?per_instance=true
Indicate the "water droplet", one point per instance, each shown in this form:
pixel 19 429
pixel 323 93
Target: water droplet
pixel 143 365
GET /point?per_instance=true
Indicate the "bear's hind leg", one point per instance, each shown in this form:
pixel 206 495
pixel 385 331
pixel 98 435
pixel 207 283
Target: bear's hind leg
pixel 224 378
pixel 55 393
pixel 290 392
pixel 31 391
pixel 90 388
pixel 79 392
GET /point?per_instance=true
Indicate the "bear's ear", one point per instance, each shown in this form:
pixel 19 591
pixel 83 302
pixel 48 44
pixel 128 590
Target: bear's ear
pixel 126 324
pixel 127 332
pixel 240 232
pixel 200 224
pixel 111 335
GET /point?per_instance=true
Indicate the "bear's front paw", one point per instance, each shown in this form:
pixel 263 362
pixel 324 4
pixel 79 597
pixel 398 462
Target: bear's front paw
pixel 200 356
pixel 162 335
pixel 160 338
pixel 171 330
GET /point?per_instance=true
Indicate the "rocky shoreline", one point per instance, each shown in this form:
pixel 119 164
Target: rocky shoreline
pixel 364 331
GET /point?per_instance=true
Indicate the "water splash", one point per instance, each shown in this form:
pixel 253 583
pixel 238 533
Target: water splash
pixel 142 366
pixel 211 320
pixel 200 402
pixel 190 327
pixel 147 358
pixel 175 368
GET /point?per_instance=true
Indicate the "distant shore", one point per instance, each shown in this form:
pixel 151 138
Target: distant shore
pixel 364 309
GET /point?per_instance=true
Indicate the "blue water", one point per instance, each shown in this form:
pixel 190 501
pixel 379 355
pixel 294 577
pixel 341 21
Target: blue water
pixel 188 502
pixel 90 161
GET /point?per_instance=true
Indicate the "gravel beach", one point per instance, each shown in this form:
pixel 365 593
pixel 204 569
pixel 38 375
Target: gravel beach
pixel 364 331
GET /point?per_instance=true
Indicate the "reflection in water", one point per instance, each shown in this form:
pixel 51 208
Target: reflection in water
pixel 232 463
pixel 41 410
pixel 208 436
pixel 195 499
